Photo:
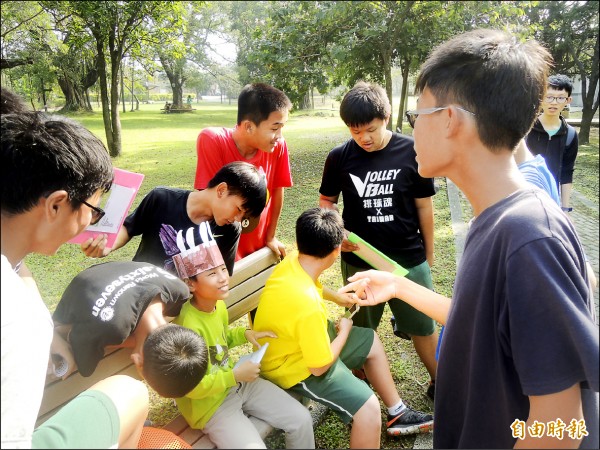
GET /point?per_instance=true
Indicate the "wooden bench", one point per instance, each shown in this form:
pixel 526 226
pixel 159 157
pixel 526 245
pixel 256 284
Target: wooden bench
pixel 246 284
pixel 185 108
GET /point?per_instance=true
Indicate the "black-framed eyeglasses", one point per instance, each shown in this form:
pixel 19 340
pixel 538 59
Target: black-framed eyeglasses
pixel 97 213
pixel 559 100
pixel 411 116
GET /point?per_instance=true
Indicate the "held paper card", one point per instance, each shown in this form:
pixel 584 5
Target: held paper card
pixel 375 258
pixel 255 357
pixel 124 189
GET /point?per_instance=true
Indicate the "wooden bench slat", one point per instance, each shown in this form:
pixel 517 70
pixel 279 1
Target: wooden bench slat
pixel 60 392
pixel 252 264
pixel 240 309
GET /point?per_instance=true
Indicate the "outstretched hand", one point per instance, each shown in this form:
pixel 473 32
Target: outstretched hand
pixel 370 287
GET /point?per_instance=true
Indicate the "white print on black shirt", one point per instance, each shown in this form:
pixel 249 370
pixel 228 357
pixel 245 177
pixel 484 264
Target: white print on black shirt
pixel 377 184
pixel 137 276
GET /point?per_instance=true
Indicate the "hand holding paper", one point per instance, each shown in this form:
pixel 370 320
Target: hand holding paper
pixel 376 258
pixel 122 193
pixel 254 357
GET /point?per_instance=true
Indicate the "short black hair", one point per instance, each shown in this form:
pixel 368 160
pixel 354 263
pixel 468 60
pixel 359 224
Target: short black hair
pixel 245 180
pixel 493 75
pixel 44 153
pixel 319 231
pixel 560 82
pixel 257 101
pixel 11 103
pixel 364 103
pixel 175 360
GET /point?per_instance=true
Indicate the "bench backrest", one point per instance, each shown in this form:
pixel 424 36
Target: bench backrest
pixel 246 284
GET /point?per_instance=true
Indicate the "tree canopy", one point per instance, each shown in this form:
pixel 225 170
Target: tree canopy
pixel 299 46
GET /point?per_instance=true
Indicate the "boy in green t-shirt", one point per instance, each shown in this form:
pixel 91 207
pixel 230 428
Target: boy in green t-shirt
pixel 228 394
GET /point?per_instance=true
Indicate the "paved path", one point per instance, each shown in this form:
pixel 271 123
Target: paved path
pixel 585 218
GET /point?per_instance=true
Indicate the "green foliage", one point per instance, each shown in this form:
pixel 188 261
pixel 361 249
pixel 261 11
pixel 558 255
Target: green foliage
pixel 28 39
pixel 289 50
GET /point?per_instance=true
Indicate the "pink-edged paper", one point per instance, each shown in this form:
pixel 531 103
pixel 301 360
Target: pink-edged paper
pixel 124 189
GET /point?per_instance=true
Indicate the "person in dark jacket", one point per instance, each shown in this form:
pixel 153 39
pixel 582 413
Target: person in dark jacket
pixel 554 139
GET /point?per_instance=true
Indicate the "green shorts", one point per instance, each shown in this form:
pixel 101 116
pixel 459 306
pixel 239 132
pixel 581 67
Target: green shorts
pixel 338 388
pixel 90 420
pixel 408 319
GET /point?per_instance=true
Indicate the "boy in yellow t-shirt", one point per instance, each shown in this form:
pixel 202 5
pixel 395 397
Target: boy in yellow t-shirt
pixel 312 355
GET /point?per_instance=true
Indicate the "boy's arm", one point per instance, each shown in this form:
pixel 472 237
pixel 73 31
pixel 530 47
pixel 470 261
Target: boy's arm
pixel 61 348
pixel 343 327
pixel 425 213
pixel 566 176
pixel 565 195
pixel 328 202
pixel 564 405
pixel 331 203
pixel 344 300
pixel 372 287
pixel 209 153
pixel 277 205
pixel 213 383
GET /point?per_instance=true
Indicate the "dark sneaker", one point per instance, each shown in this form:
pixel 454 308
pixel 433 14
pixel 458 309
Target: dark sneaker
pixel 431 390
pixel 409 421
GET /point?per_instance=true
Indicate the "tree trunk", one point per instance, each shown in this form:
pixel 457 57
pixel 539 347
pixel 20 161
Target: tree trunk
pixel 177 95
pixel 75 98
pixel 115 120
pixel 403 95
pixel 588 95
pixel 174 70
pixel 387 72
pixel 122 88
pixel 106 105
pixel 305 101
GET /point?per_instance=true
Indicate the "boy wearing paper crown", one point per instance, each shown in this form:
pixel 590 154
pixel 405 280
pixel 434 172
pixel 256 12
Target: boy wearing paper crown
pixel 227 393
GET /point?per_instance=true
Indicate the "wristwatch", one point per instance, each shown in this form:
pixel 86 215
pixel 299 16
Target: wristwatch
pixel 565 209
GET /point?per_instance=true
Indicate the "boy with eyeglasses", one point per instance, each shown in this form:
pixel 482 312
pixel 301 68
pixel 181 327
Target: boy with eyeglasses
pixel 52 170
pixel 518 363
pixel 388 204
pixel 554 139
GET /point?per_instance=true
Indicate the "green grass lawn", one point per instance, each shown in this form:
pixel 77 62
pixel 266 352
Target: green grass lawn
pixel 162 146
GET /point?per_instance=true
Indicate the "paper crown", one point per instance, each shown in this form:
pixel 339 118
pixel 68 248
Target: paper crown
pixel 190 258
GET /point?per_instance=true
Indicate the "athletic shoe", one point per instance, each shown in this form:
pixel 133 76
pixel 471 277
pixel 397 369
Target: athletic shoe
pixel 409 421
